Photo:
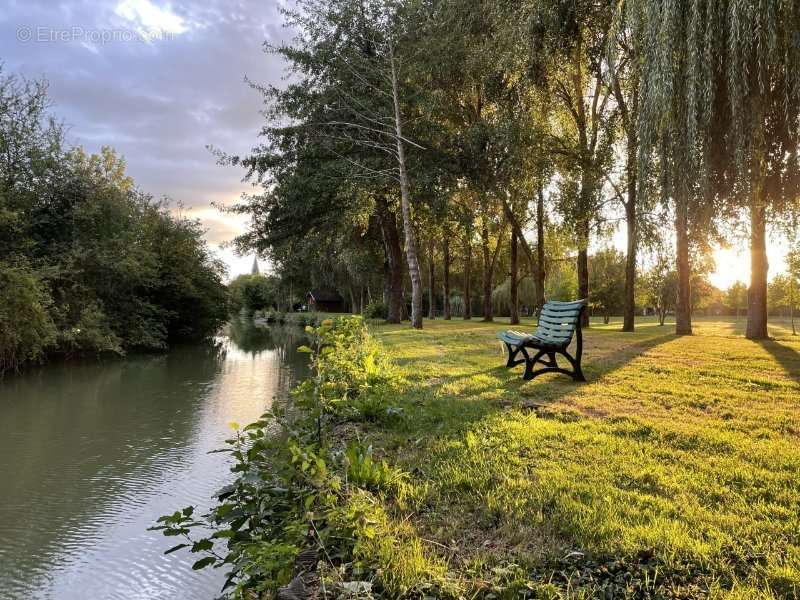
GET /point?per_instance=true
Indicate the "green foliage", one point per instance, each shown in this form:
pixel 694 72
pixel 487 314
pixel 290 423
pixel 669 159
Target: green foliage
pixel 253 292
pixel 91 332
pixel 735 297
pixel 501 295
pixel 112 269
pixel 26 328
pixel 365 471
pixel 376 309
pixel 294 492
pixel 658 288
pixel 607 282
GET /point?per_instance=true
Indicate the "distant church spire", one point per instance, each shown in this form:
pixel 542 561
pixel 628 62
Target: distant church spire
pixel 254 270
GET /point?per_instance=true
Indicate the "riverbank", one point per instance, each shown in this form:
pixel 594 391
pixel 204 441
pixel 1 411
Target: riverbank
pixel 671 473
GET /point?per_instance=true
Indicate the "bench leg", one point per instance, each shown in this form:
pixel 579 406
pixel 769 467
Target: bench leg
pixel 577 372
pixel 512 353
pixel 551 366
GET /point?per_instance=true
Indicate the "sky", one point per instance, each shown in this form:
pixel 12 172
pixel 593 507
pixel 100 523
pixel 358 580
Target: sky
pixel 159 81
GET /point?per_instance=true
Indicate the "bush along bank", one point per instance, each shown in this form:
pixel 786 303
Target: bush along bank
pixel 308 512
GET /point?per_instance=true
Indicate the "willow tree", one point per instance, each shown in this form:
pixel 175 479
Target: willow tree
pixel 721 90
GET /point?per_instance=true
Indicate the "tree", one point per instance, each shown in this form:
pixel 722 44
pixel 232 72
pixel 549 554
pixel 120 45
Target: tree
pixel 89 263
pixel 736 297
pixel 338 125
pixel 625 75
pixel 793 273
pixel 660 286
pixel 723 124
pixel 253 292
pixel 571 64
pixel 607 282
pixel 26 327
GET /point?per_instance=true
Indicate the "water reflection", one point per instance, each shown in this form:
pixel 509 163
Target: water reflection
pixel 91 454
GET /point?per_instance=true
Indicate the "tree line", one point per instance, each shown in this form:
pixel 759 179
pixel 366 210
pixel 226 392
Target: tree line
pixel 455 147
pixel 88 262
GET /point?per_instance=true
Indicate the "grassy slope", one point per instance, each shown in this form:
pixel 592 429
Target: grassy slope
pixel 688 448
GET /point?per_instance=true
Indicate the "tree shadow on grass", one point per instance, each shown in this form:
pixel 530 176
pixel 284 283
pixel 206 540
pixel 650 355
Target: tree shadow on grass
pixel 788 357
pixel 594 367
pixel 453 410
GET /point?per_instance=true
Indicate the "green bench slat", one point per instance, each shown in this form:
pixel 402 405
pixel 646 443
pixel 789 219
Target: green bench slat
pixel 513 337
pixel 554 333
pixel 553 321
pixel 561 314
pixel 557 326
pixel 552 342
pixel 564 335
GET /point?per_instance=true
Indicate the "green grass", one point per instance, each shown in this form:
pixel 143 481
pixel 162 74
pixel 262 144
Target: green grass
pixel 678 461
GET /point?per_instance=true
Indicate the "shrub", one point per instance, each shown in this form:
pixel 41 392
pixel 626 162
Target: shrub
pixel 376 310
pixel 295 494
pixel 26 328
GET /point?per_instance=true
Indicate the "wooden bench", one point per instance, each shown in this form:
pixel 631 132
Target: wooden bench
pixel 558 322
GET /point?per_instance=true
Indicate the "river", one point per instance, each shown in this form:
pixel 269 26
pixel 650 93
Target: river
pixel 92 453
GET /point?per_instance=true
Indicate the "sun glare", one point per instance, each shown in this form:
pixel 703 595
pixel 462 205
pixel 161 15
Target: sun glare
pixel 732 265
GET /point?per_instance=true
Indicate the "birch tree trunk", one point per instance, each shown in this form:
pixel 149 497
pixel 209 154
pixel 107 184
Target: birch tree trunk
pixel 539 272
pixel 405 205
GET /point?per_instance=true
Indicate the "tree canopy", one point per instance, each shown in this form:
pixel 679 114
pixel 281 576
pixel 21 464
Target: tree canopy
pixel 88 262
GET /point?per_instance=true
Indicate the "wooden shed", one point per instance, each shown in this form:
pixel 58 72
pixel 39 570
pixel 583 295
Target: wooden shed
pixel 325 301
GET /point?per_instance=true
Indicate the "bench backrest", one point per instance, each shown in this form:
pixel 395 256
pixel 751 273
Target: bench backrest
pixel 558 321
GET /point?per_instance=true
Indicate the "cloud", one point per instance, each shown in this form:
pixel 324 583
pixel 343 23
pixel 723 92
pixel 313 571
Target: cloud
pixel 150 17
pixel 158 100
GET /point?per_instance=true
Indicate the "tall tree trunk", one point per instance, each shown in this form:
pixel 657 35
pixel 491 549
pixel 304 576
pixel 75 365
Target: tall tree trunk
pixel 539 270
pixel 405 203
pixel 759 266
pixel 511 218
pixel 394 261
pixel 583 225
pixel 514 280
pixel 468 281
pixel 487 275
pixel 446 277
pixel 629 310
pixel 791 299
pixel 683 305
pixel 583 280
pixel 629 115
pixel 431 282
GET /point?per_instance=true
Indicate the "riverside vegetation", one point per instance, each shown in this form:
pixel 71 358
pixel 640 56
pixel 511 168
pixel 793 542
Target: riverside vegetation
pixel 416 465
pixel 89 264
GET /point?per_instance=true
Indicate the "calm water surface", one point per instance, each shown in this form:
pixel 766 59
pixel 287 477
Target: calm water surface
pixel 92 454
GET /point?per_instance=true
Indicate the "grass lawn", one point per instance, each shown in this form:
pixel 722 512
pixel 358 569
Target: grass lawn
pixel 677 465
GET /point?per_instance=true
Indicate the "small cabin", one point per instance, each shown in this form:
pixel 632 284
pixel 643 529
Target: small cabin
pixel 325 301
